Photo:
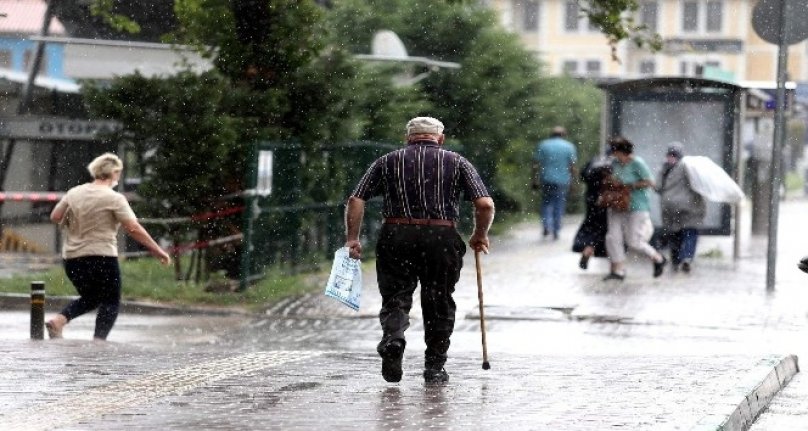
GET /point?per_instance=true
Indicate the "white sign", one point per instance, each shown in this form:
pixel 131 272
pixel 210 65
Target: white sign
pixel 55 128
pixel 264 186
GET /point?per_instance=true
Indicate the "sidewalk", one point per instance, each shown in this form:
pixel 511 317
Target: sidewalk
pixel 704 351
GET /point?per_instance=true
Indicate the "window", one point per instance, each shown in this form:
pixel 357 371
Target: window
pixel 706 16
pixel 695 66
pixel 5 58
pixel 648 15
pixel 593 68
pixel 714 15
pixel 647 67
pixel 690 16
pixel 582 67
pixel 530 20
pixel 28 57
pixel 574 21
pixel 571 16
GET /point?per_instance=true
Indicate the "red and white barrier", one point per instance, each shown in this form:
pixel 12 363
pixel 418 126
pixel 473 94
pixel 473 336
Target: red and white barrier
pixel 184 248
pixel 31 196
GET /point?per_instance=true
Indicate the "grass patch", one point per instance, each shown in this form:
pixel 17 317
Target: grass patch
pixel 147 280
pixel 793 182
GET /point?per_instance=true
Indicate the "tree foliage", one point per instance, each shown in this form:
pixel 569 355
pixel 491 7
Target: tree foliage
pixel 496 105
pixel 284 70
pixel 181 141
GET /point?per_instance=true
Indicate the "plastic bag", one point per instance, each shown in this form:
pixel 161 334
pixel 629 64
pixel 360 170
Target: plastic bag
pixel 345 282
pixel 710 180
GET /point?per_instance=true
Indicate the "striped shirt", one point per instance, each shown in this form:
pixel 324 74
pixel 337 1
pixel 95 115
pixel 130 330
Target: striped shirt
pixel 421 181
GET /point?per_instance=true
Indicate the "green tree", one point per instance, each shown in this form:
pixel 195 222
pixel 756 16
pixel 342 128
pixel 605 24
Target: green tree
pixel 183 140
pixel 497 105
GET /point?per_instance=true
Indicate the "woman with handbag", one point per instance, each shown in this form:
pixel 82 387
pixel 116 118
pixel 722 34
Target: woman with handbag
pixel 632 225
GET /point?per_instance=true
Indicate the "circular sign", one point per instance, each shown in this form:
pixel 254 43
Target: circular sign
pixel 766 20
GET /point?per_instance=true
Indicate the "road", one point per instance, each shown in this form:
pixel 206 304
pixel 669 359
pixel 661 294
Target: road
pixel 568 352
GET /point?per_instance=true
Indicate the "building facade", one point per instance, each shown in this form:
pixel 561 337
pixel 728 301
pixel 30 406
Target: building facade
pixel 710 38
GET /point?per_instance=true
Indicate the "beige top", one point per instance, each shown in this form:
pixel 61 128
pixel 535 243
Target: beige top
pixel 92 216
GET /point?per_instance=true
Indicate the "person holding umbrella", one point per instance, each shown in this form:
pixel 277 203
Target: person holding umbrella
pixel 421 185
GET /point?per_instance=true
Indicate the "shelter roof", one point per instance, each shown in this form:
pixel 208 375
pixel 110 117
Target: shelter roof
pixel 25 17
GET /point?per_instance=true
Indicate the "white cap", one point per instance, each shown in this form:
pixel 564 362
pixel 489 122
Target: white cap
pixel 424 125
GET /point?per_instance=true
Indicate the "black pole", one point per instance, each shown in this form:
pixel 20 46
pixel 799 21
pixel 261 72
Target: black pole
pixel 777 151
pixel 37 310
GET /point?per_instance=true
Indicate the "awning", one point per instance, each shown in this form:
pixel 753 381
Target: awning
pixel 60 85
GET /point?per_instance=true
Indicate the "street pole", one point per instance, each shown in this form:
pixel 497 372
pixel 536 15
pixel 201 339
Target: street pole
pixel 251 211
pixel 777 150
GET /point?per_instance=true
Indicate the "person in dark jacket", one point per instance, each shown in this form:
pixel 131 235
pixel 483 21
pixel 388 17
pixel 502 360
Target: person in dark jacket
pixel 590 240
pixel 682 208
pixel 421 185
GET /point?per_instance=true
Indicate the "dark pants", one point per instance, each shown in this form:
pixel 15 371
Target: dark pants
pixel 433 255
pixel 97 279
pixel 681 242
pixel 553 205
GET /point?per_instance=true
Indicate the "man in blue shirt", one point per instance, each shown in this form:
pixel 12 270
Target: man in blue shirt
pixel 553 169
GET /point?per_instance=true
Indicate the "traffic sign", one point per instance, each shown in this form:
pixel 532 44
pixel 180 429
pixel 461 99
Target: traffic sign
pixel 766 20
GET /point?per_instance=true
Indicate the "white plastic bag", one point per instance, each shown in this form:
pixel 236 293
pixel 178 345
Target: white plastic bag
pixel 345 282
pixel 710 180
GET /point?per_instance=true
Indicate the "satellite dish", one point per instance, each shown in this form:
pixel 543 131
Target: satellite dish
pixel 387 44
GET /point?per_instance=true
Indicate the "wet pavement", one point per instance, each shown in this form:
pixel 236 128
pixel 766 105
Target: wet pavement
pixel 691 351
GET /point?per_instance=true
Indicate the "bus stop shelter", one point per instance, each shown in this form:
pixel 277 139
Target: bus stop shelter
pixel 705 116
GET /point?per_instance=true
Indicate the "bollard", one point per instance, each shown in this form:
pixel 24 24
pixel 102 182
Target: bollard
pixel 37 310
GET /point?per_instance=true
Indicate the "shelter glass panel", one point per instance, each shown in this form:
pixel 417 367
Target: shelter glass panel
pixel 699 125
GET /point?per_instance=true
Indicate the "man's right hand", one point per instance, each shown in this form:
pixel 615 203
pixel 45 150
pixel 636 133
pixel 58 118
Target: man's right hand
pixel 354 248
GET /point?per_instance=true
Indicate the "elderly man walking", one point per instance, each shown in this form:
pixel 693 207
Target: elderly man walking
pixel 553 170
pixel 421 186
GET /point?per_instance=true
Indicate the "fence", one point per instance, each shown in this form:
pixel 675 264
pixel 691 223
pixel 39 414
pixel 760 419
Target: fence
pixel 296 200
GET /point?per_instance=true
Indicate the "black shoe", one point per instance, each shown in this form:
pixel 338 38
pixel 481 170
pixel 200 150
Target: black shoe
pixel 432 375
pixel 686 267
pixel 545 233
pixel 803 265
pixel 584 262
pixel 391 360
pixel 614 276
pixel 659 267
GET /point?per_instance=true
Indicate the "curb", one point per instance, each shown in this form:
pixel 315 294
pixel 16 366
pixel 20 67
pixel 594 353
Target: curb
pixel 22 302
pixel 746 402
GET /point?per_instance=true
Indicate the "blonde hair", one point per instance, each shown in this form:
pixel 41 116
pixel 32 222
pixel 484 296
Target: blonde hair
pixel 103 166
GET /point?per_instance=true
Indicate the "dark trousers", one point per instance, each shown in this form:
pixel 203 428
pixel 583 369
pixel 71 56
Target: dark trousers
pixel 97 279
pixel 681 242
pixel 553 205
pixel 433 256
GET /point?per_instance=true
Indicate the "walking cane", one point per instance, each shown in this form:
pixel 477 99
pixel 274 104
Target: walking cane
pixel 486 365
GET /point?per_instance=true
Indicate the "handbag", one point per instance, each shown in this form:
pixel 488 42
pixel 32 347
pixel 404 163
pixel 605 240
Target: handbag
pixel 614 194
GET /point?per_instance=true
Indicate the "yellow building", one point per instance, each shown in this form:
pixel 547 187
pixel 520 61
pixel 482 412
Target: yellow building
pixel 713 38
